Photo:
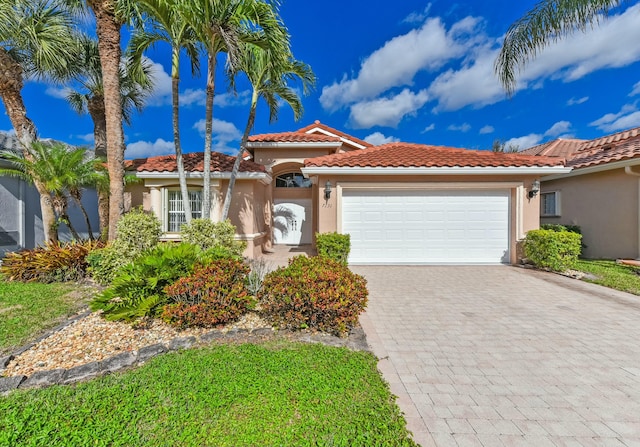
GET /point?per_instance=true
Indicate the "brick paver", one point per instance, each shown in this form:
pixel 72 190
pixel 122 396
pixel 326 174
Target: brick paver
pixel 502 356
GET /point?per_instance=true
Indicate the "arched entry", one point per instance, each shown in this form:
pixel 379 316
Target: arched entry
pixel 292 206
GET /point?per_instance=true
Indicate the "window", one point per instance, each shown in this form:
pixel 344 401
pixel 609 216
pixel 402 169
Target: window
pixel 175 209
pixel 292 180
pixel 550 203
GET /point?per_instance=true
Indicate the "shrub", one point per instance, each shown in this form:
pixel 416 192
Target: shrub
pixel 558 227
pixel 212 295
pixel 55 262
pixel 208 234
pixel 259 269
pixel 137 231
pixel 553 250
pixel 138 288
pixel 317 293
pixel 335 246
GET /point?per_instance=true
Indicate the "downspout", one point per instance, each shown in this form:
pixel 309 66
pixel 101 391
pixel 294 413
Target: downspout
pixel 629 171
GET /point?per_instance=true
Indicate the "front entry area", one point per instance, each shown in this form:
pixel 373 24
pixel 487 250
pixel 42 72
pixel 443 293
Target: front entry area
pixel 292 222
pixel 427 226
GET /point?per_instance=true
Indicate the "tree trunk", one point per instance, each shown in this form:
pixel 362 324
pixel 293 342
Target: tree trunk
pixel 208 126
pixel 175 99
pixel 11 82
pixel 77 197
pixel 62 206
pixel 108 32
pixel 239 157
pixel 95 105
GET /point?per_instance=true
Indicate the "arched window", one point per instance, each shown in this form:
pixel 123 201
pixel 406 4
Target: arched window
pixel 292 180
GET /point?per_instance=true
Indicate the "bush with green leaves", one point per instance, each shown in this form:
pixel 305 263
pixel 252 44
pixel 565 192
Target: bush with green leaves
pixel 559 227
pixel 54 262
pixel 214 294
pixel 335 246
pixel 208 234
pixel 315 293
pixel 138 288
pixel 137 231
pixel 554 250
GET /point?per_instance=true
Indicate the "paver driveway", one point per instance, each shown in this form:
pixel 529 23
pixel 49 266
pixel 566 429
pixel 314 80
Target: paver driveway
pixel 500 355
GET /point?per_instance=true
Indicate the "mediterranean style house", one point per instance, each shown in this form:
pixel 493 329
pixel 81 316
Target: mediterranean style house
pixel 601 193
pixel 401 203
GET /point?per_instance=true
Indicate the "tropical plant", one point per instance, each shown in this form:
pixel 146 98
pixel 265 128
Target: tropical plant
pixel 221 26
pixel 62 171
pixel 207 235
pixel 547 22
pixel 269 71
pixel 334 246
pixel 169 25
pixel 36 41
pixel 88 97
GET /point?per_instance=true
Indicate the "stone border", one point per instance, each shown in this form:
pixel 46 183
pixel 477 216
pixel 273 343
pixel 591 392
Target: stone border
pixel 355 341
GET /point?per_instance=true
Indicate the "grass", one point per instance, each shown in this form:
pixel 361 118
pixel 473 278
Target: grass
pixel 27 309
pixel 275 394
pixel 612 275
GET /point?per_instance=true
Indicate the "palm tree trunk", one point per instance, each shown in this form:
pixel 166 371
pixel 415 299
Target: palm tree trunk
pixel 95 105
pixel 62 205
pixel 175 98
pixel 11 82
pixel 108 32
pixel 239 157
pixel 77 197
pixel 208 126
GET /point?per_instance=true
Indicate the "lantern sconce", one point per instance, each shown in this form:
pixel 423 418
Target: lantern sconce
pixel 327 190
pixel 535 189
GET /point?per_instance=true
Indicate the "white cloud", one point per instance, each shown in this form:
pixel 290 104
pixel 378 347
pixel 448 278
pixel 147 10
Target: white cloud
pixel 429 128
pixel 142 149
pixel 636 90
pixel 378 138
pixel 11 131
pixel 486 130
pixel 574 101
pixel 559 128
pixel 198 96
pixel 223 133
pixel 387 111
pixel 418 17
pixel 626 118
pixel 162 85
pixel 396 63
pixel 522 143
pixel 464 127
pixel 88 137
pixel 57 92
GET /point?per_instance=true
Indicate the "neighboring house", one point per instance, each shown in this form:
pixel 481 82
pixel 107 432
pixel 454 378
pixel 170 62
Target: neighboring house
pixel 20 214
pixel 401 203
pixel 601 194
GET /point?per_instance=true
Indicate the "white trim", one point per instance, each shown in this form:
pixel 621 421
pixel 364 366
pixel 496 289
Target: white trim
pixel 519 224
pixel 297 144
pixel 200 175
pixel 593 169
pixel 456 170
pixel 250 237
pixel 22 224
pixel 343 139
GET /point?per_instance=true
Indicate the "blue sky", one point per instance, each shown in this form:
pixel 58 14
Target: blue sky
pixel 406 71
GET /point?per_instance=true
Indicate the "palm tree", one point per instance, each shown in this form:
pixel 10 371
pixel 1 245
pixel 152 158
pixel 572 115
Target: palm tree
pixel 135 86
pixel 269 73
pixel 547 22
pixel 36 40
pixel 169 25
pixel 221 26
pixel 63 171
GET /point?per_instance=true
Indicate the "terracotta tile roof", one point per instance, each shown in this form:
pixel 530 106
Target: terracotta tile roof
pixel 293 137
pixel 562 147
pixel 394 155
pixel 606 154
pixel 193 162
pixel 619 146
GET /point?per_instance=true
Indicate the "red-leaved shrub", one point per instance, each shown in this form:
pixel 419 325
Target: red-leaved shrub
pixel 316 293
pixel 212 295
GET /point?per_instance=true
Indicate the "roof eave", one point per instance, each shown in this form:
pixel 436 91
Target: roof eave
pixel 294 145
pixel 453 170
pixel 263 176
pixel 593 169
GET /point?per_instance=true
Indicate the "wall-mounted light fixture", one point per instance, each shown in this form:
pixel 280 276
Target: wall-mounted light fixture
pixel 535 189
pixel 327 190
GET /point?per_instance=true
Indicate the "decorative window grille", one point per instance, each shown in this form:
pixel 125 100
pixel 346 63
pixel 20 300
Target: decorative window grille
pixel 175 209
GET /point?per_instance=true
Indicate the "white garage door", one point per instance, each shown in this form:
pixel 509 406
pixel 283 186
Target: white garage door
pixel 427 226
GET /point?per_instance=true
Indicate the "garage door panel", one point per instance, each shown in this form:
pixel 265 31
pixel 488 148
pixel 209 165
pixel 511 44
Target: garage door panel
pixel 427 226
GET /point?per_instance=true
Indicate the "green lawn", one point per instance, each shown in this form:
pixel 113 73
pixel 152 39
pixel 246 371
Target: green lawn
pixel 28 309
pixel 275 394
pixel 612 275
